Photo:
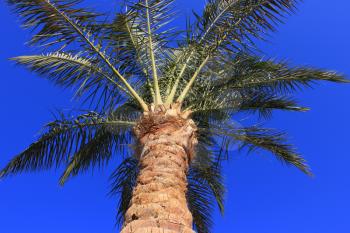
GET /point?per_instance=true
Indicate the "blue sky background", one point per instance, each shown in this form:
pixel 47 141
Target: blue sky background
pixel 263 195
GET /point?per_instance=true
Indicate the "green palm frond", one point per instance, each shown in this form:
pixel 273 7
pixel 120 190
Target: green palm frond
pixel 99 149
pixel 205 184
pixel 127 44
pixel 264 104
pixel 54 21
pixel 128 36
pixel 136 40
pixel 233 22
pixel 64 137
pixel 81 73
pixel 123 181
pixel 148 21
pixel 250 83
pixel 180 68
pixel 251 72
pixel 274 142
pixel 148 18
pixel 255 138
pixel 229 25
pixel 53 16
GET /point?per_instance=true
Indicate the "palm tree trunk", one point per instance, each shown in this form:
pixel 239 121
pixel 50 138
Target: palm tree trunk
pixel 167 139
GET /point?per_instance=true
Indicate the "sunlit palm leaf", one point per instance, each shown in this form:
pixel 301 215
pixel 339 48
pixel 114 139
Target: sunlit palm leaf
pixel 255 138
pixel 264 104
pixel 63 138
pixel 148 17
pixel 250 83
pixel 205 184
pixel 78 72
pixel 53 16
pixel 53 20
pixel 251 72
pixel 228 25
pixel 123 180
pixel 233 22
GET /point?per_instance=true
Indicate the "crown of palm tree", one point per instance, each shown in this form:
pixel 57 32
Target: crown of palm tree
pixel 126 65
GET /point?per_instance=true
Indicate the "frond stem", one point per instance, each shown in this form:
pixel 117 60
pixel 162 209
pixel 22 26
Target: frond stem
pixel 158 98
pixel 101 55
pixel 190 83
pixel 99 71
pixel 138 58
pixel 170 81
pixel 183 69
pixel 171 96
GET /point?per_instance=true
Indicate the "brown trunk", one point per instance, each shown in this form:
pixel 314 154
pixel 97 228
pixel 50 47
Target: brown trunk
pixel 158 205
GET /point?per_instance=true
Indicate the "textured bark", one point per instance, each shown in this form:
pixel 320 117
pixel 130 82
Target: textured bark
pixel 167 139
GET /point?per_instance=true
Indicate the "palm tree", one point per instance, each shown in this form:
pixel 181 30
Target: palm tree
pixel 164 100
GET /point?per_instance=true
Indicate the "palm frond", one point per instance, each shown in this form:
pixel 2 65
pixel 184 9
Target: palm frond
pixel 264 104
pixel 232 23
pixel 228 25
pixel 158 98
pixel 78 72
pixel 123 181
pixel 255 138
pixel 242 82
pixel 53 16
pixel 147 19
pixel 205 184
pixel 63 138
pixel 99 149
pixel 50 19
pixel 251 72
pixel 127 44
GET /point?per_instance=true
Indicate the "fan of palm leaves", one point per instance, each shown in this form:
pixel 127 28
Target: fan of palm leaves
pixel 123 63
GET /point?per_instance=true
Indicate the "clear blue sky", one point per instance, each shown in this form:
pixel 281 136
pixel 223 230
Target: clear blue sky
pixel 263 195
